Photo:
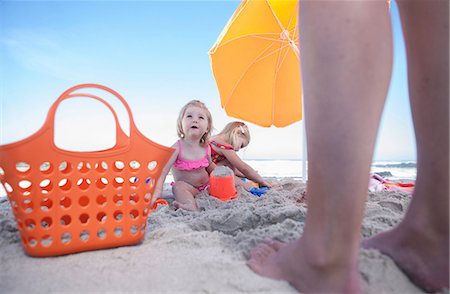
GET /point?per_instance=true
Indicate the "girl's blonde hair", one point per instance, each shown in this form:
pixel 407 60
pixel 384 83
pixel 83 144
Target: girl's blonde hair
pixel 236 129
pixel 199 104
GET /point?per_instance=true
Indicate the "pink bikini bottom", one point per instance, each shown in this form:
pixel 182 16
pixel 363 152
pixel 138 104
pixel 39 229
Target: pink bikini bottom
pixel 200 188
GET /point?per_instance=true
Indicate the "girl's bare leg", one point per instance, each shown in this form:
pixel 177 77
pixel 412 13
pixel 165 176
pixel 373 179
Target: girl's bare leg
pixel 420 244
pixel 184 196
pixel 346 56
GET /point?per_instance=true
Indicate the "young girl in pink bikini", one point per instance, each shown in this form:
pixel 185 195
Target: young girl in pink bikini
pixel 224 146
pixel 191 162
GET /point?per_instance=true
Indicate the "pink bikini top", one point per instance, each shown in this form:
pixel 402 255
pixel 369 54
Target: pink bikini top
pixel 186 164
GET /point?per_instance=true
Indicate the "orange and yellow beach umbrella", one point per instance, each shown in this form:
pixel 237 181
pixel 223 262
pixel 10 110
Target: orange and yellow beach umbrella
pixel 256 65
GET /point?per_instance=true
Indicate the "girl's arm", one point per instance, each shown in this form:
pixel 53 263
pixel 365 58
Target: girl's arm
pixel 238 173
pixel 162 178
pixel 211 165
pixel 244 168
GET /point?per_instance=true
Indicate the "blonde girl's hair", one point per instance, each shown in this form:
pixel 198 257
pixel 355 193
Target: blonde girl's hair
pixel 234 130
pixel 199 104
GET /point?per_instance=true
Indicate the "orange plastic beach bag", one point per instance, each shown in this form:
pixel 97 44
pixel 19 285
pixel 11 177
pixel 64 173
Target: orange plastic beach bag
pixel 66 201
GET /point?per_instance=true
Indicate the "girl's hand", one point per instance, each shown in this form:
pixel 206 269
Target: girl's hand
pixel 265 184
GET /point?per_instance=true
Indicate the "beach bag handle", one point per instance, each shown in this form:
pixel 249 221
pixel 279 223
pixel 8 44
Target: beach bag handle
pixel 122 140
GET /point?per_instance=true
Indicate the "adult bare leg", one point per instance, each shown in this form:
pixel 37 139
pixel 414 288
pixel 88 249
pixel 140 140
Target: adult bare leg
pixel 420 243
pixel 346 56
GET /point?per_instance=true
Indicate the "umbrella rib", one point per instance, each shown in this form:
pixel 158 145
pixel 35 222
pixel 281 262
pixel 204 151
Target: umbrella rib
pixel 275 16
pixel 294 12
pixel 259 36
pixel 296 48
pixel 272 52
pixel 278 67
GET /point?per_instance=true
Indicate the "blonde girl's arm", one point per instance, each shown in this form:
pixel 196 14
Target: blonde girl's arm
pixel 211 165
pixel 244 168
pixel 162 178
pixel 238 173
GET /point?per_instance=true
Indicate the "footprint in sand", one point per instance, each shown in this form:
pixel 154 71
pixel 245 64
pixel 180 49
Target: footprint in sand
pixel 395 206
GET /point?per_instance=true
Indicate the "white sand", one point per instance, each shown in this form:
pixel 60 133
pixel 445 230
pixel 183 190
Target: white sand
pixel 197 252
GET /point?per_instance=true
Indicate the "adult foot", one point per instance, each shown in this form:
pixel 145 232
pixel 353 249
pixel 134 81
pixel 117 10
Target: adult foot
pixel 288 262
pixel 423 258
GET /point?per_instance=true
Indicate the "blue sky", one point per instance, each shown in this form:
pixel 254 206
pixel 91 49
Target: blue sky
pixel 154 53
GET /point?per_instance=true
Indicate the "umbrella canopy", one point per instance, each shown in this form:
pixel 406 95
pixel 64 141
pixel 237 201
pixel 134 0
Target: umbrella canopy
pixel 256 65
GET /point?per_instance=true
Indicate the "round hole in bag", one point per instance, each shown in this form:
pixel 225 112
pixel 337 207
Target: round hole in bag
pixel 46 241
pixel 83 201
pixel 118 215
pixel 8 187
pixel 134 214
pixel 134 181
pixel 30 224
pixel 83 183
pixel 25 186
pixel 152 165
pixel 150 182
pixel 66 238
pixel 46 204
pixel 46 186
pixel 84 218
pixel 134 229
pixel 101 166
pixel 118 166
pixel 46 222
pixel 118 182
pixel 134 198
pixel 65 167
pixel 146 211
pixel 118 199
pixel 23 167
pixel 135 165
pixel 101 233
pixel 2 171
pixel 101 217
pixel 83 167
pixel 27 206
pixel 148 197
pixel 46 167
pixel 118 231
pixel 101 183
pixel 84 236
pixel 65 220
pixel 101 200
pixel 65 184
pixel 32 242
pixel 65 202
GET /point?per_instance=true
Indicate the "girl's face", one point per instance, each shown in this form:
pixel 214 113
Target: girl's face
pixel 239 143
pixel 194 122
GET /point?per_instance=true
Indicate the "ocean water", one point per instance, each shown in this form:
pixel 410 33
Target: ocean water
pixel 393 170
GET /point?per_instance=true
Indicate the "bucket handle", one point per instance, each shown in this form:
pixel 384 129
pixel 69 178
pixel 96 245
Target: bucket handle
pixel 122 140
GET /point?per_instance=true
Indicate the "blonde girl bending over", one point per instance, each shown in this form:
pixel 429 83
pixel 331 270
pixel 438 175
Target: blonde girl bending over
pixel 191 162
pixel 224 146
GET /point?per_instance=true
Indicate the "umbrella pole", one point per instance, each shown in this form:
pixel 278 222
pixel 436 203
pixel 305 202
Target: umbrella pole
pixel 304 152
pixel 304 156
